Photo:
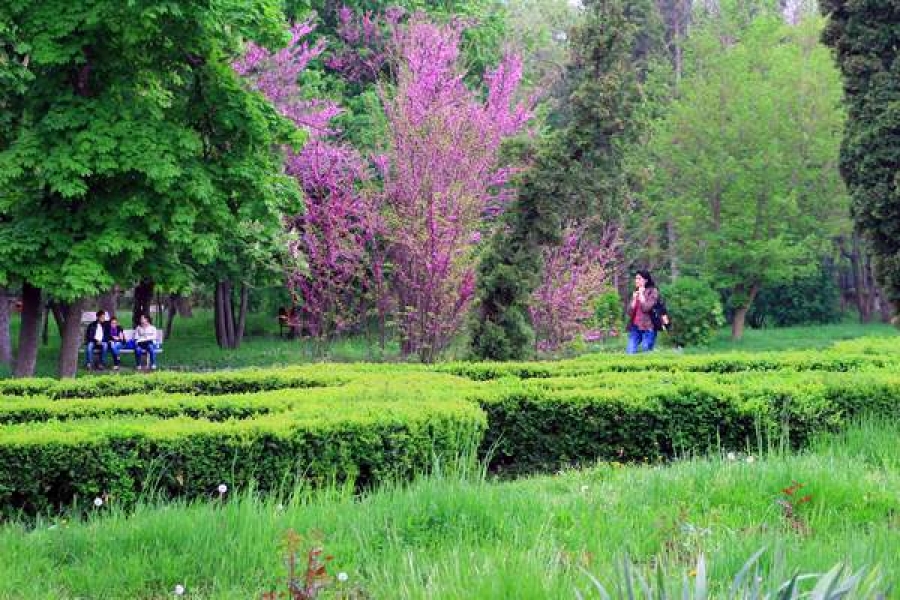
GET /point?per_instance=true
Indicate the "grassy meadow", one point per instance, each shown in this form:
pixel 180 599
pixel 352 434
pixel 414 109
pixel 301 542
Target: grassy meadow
pixel 457 534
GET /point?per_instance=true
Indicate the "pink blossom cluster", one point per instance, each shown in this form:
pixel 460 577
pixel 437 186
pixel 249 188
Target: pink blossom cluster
pixel 365 42
pixel 441 169
pixel 340 224
pixel 575 273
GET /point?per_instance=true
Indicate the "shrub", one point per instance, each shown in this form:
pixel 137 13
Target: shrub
pixel 123 458
pixel 695 311
pixel 810 300
pixel 608 313
pixel 368 423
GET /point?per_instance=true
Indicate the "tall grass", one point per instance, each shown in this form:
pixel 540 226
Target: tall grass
pixel 455 534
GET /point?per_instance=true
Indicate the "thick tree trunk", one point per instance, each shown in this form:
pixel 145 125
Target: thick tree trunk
pixel 171 311
pixel 143 297
pixel 242 315
pixel 229 313
pixel 59 317
pixel 29 332
pixel 219 316
pixel 224 318
pixel 71 338
pixel 737 324
pixel 5 341
pixel 45 325
pixel 740 314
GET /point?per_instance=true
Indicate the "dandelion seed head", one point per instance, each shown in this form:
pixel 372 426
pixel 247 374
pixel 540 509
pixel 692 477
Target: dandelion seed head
pixel 222 488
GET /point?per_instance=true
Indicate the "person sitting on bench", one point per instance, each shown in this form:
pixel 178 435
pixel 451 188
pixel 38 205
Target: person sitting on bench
pixel 145 342
pixel 96 338
pixel 116 341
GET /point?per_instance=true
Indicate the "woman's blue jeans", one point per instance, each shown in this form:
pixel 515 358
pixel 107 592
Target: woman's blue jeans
pixel 139 354
pixel 640 339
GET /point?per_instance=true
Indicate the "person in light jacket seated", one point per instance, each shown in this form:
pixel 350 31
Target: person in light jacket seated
pixel 145 342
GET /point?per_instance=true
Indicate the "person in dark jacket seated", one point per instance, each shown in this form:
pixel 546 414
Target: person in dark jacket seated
pixel 96 338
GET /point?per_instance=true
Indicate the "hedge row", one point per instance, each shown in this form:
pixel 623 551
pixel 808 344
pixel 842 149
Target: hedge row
pixel 430 387
pixel 532 428
pixel 369 423
pixel 713 363
pixel 47 466
pixel 226 382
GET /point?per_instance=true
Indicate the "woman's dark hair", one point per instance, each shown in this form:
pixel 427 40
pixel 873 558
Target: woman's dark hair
pixel 648 279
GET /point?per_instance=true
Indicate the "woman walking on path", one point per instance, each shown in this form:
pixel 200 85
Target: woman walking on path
pixel 641 333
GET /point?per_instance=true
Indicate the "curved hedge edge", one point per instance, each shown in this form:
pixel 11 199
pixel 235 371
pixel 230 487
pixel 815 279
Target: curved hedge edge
pixel 122 460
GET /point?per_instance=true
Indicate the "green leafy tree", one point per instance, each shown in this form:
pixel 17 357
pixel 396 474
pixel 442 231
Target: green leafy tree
pixel 865 37
pixel 745 159
pixel 130 141
pixel 578 173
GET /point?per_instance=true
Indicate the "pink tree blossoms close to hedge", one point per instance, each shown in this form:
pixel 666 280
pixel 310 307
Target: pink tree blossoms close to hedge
pixel 441 175
pixel 575 273
pixel 340 224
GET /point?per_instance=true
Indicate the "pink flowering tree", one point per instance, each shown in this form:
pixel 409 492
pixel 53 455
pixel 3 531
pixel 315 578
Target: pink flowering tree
pixel 365 41
pixel 575 273
pixel 442 177
pixel 337 233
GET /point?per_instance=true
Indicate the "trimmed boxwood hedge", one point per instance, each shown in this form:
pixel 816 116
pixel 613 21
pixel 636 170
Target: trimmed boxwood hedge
pixel 48 466
pixel 228 382
pixel 712 363
pixel 183 434
pixel 533 428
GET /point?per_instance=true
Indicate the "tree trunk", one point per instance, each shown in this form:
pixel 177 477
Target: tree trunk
pixel 242 315
pixel 740 314
pixel 171 311
pixel 45 325
pixel 108 302
pixel 5 341
pixel 58 316
pixel 143 297
pixel 224 317
pixel 71 338
pixel 29 332
pixel 218 313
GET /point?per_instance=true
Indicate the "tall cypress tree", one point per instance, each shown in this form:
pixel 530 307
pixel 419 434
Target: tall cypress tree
pixel 577 172
pixel 865 36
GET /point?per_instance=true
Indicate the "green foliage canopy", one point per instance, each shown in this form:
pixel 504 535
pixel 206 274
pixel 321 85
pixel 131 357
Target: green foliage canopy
pixel 866 40
pixel 133 147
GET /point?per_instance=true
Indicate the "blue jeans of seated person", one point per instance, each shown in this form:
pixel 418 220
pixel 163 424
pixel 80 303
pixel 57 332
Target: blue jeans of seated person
pixel 638 338
pixel 139 351
pixel 116 349
pixel 89 353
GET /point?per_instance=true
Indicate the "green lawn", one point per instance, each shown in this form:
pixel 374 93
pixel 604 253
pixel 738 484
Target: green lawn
pixel 193 345
pixel 461 536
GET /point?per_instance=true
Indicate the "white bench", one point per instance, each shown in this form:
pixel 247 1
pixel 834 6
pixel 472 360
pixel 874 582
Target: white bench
pixel 129 335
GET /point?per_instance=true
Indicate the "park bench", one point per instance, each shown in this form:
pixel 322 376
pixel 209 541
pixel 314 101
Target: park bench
pixel 129 335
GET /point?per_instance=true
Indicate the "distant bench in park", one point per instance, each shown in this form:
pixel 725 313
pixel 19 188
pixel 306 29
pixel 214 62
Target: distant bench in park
pixel 89 317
